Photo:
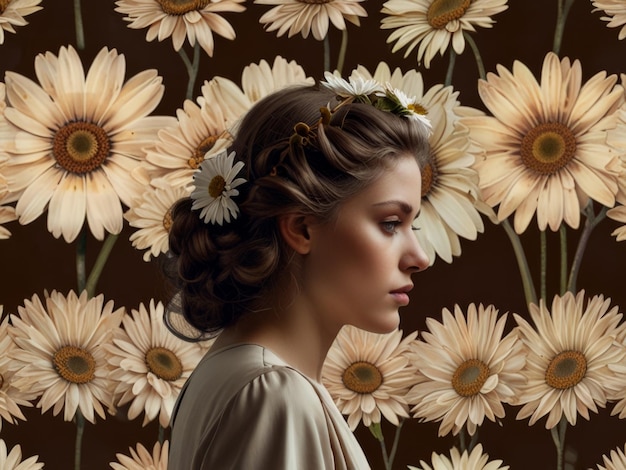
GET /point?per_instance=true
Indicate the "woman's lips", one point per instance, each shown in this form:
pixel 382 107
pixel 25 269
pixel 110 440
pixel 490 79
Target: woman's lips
pixel 402 295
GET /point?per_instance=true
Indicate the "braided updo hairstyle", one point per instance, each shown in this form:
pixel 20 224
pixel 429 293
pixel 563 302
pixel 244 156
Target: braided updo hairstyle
pixel 222 272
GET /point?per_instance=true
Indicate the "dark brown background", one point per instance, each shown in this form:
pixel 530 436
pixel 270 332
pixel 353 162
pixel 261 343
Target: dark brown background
pixel 32 260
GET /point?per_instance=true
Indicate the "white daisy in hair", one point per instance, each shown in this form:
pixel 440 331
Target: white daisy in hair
pixel 215 185
pixel 354 87
pixel 403 105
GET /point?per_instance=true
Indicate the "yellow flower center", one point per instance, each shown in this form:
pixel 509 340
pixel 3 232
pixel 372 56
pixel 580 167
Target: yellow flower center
pixel 469 377
pixel 428 178
pixel 548 147
pixel 167 220
pixel 164 364
pixel 216 186
pixel 417 109
pixel 180 7
pixel 362 377
pixel 441 12
pixel 566 369
pixel 80 147
pixel 315 2
pixel 203 147
pixel 4 4
pixel 74 364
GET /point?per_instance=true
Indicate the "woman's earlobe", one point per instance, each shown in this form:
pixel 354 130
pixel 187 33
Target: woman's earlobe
pixel 294 229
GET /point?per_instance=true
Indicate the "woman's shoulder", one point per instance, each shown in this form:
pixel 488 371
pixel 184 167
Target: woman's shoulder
pixel 246 372
pixel 255 373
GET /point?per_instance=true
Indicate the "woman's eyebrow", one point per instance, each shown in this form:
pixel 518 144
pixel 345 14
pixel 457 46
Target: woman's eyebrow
pixel 404 206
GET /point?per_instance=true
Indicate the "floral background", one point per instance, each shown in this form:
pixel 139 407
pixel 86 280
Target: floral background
pixel 484 272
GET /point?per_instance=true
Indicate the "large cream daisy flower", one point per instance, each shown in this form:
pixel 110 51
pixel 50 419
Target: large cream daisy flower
pixel 449 183
pixel 470 369
pixel 617 139
pixel 474 460
pixel 310 16
pixel 434 24
pixel 12 13
pixel 616 460
pixel 11 398
pixel 570 354
pixel 77 139
pixel 13 460
pixel 142 459
pixel 368 375
pixel 150 365
pixel 204 129
pixel 7 213
pixel 618 213
pixel 545 145
pixel 257 81
pixel 151 215
pixel 616 14
pixel 195 20
pixel 179 150
pixel 60 355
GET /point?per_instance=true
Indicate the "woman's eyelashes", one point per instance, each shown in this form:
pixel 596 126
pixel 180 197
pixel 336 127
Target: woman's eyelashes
pixel 390 226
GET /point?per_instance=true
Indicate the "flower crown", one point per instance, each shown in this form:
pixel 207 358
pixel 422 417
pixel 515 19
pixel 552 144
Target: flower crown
pixel 382 96
pixel 359 90
pixel 216 179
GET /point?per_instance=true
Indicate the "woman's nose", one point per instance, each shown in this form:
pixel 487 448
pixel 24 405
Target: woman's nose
pixel 415 258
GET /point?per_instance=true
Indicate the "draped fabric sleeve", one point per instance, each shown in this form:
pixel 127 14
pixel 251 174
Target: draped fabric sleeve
pixel 276 421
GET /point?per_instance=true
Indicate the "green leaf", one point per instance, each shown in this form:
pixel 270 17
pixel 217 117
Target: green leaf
pixel 377 431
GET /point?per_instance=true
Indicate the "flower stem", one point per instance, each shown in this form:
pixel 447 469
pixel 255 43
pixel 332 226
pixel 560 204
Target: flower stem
pixel 161 434
pixel 563 273
pixel 192 68
pixel 518 249
pixel 78 443
pixel 463 439
pixel 326 53
pixel 558 436
pixel 590 224
pixel 396 440
pixel 450 71
pixel 101 260
pixel 78 24
pixel 377 432
pixel 81 271
pixel 479 60
pixel 544 264
pixel 342 50
pixel 563 10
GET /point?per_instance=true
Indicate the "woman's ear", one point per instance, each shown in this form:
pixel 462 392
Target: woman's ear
pixel 294 229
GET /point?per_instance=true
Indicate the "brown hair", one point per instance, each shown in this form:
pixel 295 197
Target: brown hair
pixel 223 271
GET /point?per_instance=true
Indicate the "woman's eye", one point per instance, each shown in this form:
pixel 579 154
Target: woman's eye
pixel 390 226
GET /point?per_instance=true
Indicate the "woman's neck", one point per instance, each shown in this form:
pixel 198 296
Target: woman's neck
pixel 295 334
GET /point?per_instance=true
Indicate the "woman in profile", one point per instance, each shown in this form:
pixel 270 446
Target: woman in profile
pixel 304 226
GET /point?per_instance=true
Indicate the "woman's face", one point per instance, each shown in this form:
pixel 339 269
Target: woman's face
pixel 359 267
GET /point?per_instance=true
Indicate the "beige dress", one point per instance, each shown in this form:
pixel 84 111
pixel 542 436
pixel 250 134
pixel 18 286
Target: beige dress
pixel 245 408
